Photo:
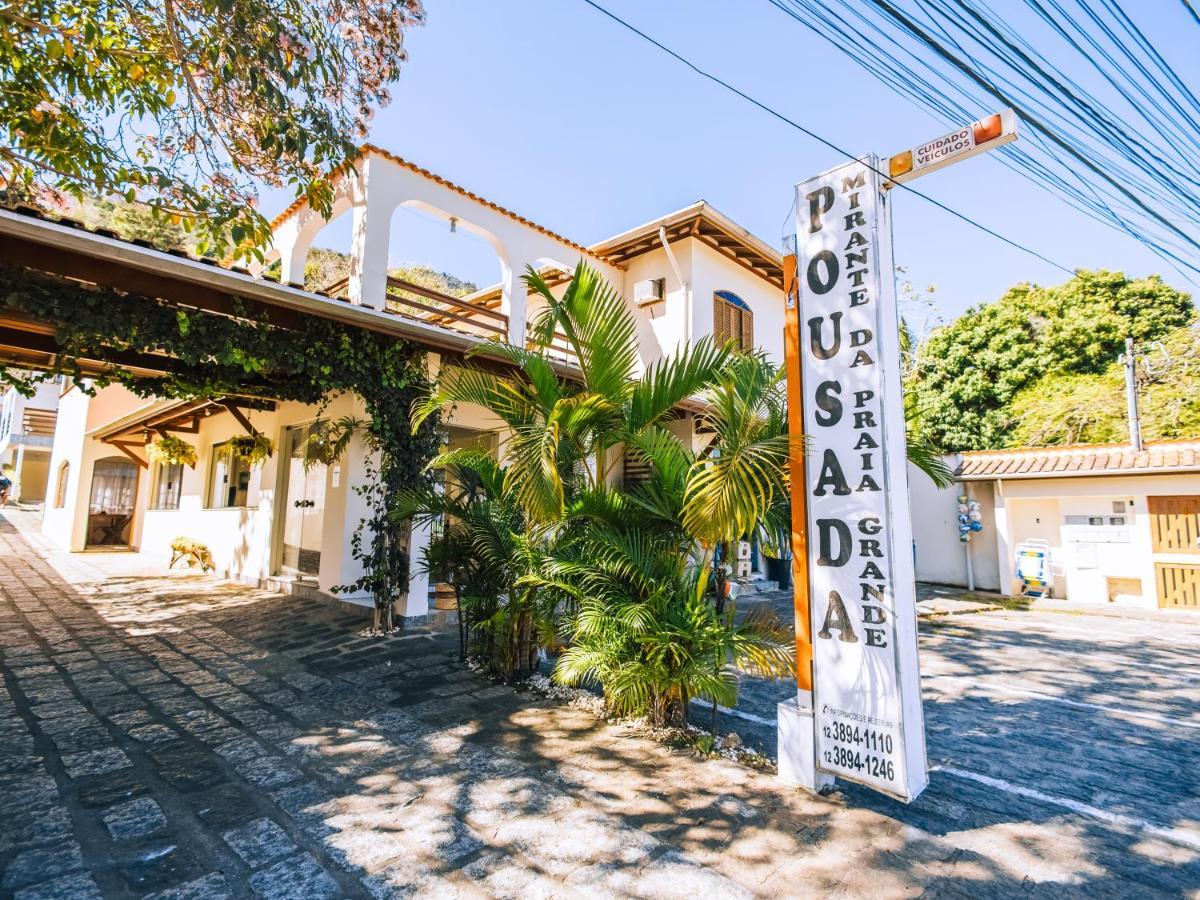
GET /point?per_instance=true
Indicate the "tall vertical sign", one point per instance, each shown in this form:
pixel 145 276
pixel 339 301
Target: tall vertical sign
pixel 868 723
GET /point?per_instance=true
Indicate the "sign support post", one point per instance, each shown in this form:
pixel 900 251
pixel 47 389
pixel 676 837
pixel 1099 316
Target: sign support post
pixel 797 748
pixel 857 712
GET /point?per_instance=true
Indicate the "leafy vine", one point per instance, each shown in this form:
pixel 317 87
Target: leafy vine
pixel 208 356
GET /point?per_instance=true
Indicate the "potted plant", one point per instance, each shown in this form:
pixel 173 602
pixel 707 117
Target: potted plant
pixel 252 449
pixel 171 451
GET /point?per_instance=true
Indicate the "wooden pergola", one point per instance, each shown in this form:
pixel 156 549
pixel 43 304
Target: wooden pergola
pixel 135 431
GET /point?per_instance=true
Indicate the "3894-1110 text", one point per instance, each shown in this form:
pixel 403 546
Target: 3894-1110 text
pixel 878 741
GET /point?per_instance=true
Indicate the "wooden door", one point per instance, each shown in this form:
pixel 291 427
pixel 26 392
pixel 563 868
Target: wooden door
pixel 1178 586
pixel 1175 524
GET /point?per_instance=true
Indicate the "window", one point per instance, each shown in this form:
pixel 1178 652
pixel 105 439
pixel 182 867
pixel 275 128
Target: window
pixel 229 480
pixel 167 484
pixel 60 487
pixel 733 322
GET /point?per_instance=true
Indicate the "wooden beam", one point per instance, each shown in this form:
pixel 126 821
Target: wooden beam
pixel 124 446
pixel 19 336
pixel 240 416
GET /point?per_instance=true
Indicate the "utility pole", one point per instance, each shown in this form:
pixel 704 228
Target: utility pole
pixel 1131 397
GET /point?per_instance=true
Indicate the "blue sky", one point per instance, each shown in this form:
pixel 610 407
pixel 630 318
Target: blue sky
pixel 551 109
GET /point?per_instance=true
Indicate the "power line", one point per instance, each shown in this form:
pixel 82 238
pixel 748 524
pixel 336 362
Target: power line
pixel 816 137
pixel 1140 177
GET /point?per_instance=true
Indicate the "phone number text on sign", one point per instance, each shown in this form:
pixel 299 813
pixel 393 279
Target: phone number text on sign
pixel 867 749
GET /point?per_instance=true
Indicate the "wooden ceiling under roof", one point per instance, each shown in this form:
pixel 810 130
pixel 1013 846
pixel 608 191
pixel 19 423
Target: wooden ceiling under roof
pixel 38 422
pixel 707 230
pixel 52 248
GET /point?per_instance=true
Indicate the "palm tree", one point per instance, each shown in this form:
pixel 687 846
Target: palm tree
pixel 484 548
pixel 565 429
pixel 625 569
pixel 738 488
pixel 635 604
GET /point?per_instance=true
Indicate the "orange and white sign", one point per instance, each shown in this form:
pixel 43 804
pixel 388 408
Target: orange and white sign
pixel 988 133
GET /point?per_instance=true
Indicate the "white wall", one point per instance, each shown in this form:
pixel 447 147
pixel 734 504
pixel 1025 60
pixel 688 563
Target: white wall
pixel 712 272
pixel 242 539
pixel 940 555
pixel 58 522
pixel 1084 559
pixel 662 327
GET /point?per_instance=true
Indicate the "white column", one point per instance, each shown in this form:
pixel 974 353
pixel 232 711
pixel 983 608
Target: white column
pixel 416 601
pixel 292 262
pixel 292 240
pixel 18 471
pixel 344 509
pixel 514 300
pixel 369 250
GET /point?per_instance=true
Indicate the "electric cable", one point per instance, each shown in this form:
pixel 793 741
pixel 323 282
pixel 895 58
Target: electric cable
pixel 818 138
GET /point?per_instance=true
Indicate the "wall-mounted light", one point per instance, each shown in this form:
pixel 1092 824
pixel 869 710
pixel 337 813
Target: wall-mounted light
pixel 453 224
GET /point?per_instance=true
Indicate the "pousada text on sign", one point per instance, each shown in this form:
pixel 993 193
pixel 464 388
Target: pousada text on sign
pixel 866 685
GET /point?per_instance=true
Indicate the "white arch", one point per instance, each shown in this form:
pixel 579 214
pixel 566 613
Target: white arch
pixel 379 184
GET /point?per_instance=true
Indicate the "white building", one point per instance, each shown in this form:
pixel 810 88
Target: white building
pixel 26 436
pixel 288 523
pixel 1121 526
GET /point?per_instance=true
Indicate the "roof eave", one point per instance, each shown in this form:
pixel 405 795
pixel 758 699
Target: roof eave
pixel 1093 473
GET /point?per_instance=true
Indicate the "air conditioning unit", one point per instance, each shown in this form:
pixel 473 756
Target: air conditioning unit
pixel 652 290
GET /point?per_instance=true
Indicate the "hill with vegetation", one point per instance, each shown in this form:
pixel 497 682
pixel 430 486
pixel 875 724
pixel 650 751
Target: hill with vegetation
pixel 1038 366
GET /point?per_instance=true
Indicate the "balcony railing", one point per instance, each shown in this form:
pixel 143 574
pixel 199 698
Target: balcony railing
pixel 423 304
pixel 559 349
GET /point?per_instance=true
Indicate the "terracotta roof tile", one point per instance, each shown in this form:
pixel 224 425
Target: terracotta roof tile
pixel 1080 459
pixel 366 149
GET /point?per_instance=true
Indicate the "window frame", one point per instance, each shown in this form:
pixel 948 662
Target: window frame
pixel 60 486
pixel 233 465
pixel 160 468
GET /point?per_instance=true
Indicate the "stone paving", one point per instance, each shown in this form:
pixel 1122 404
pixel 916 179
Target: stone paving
pixel 177 736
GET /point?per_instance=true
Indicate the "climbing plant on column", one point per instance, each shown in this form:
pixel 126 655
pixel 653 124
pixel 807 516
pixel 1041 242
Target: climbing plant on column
pixel 209 356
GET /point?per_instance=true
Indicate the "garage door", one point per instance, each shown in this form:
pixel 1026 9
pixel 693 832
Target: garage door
pixel 1178 586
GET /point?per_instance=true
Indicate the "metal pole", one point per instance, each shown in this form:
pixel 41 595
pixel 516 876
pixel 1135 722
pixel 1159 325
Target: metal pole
pixel 1131 397
pixel 967 544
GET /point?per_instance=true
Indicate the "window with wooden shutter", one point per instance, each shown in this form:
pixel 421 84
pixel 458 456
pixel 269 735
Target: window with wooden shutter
pixel 732 321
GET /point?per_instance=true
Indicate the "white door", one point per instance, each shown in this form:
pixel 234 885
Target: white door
pixel 304 509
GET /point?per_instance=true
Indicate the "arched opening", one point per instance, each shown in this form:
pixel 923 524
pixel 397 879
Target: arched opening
pixel 442 269
pixel 733 322
pixel 110 505
pixel 60 485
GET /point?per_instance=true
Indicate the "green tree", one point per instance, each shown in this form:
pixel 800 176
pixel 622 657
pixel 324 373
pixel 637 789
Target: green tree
pixel 135 222
pixel 187 104
pixel 1091 409
pixel 972 369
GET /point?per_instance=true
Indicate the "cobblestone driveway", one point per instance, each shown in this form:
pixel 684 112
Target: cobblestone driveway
pixel 180 737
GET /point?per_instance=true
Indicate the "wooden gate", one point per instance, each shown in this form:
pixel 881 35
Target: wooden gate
pixel 1175 524
pixel 1175 532
pixel 1178 586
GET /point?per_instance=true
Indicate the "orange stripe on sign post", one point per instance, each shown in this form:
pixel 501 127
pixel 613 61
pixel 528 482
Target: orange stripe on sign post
pixel 791 363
